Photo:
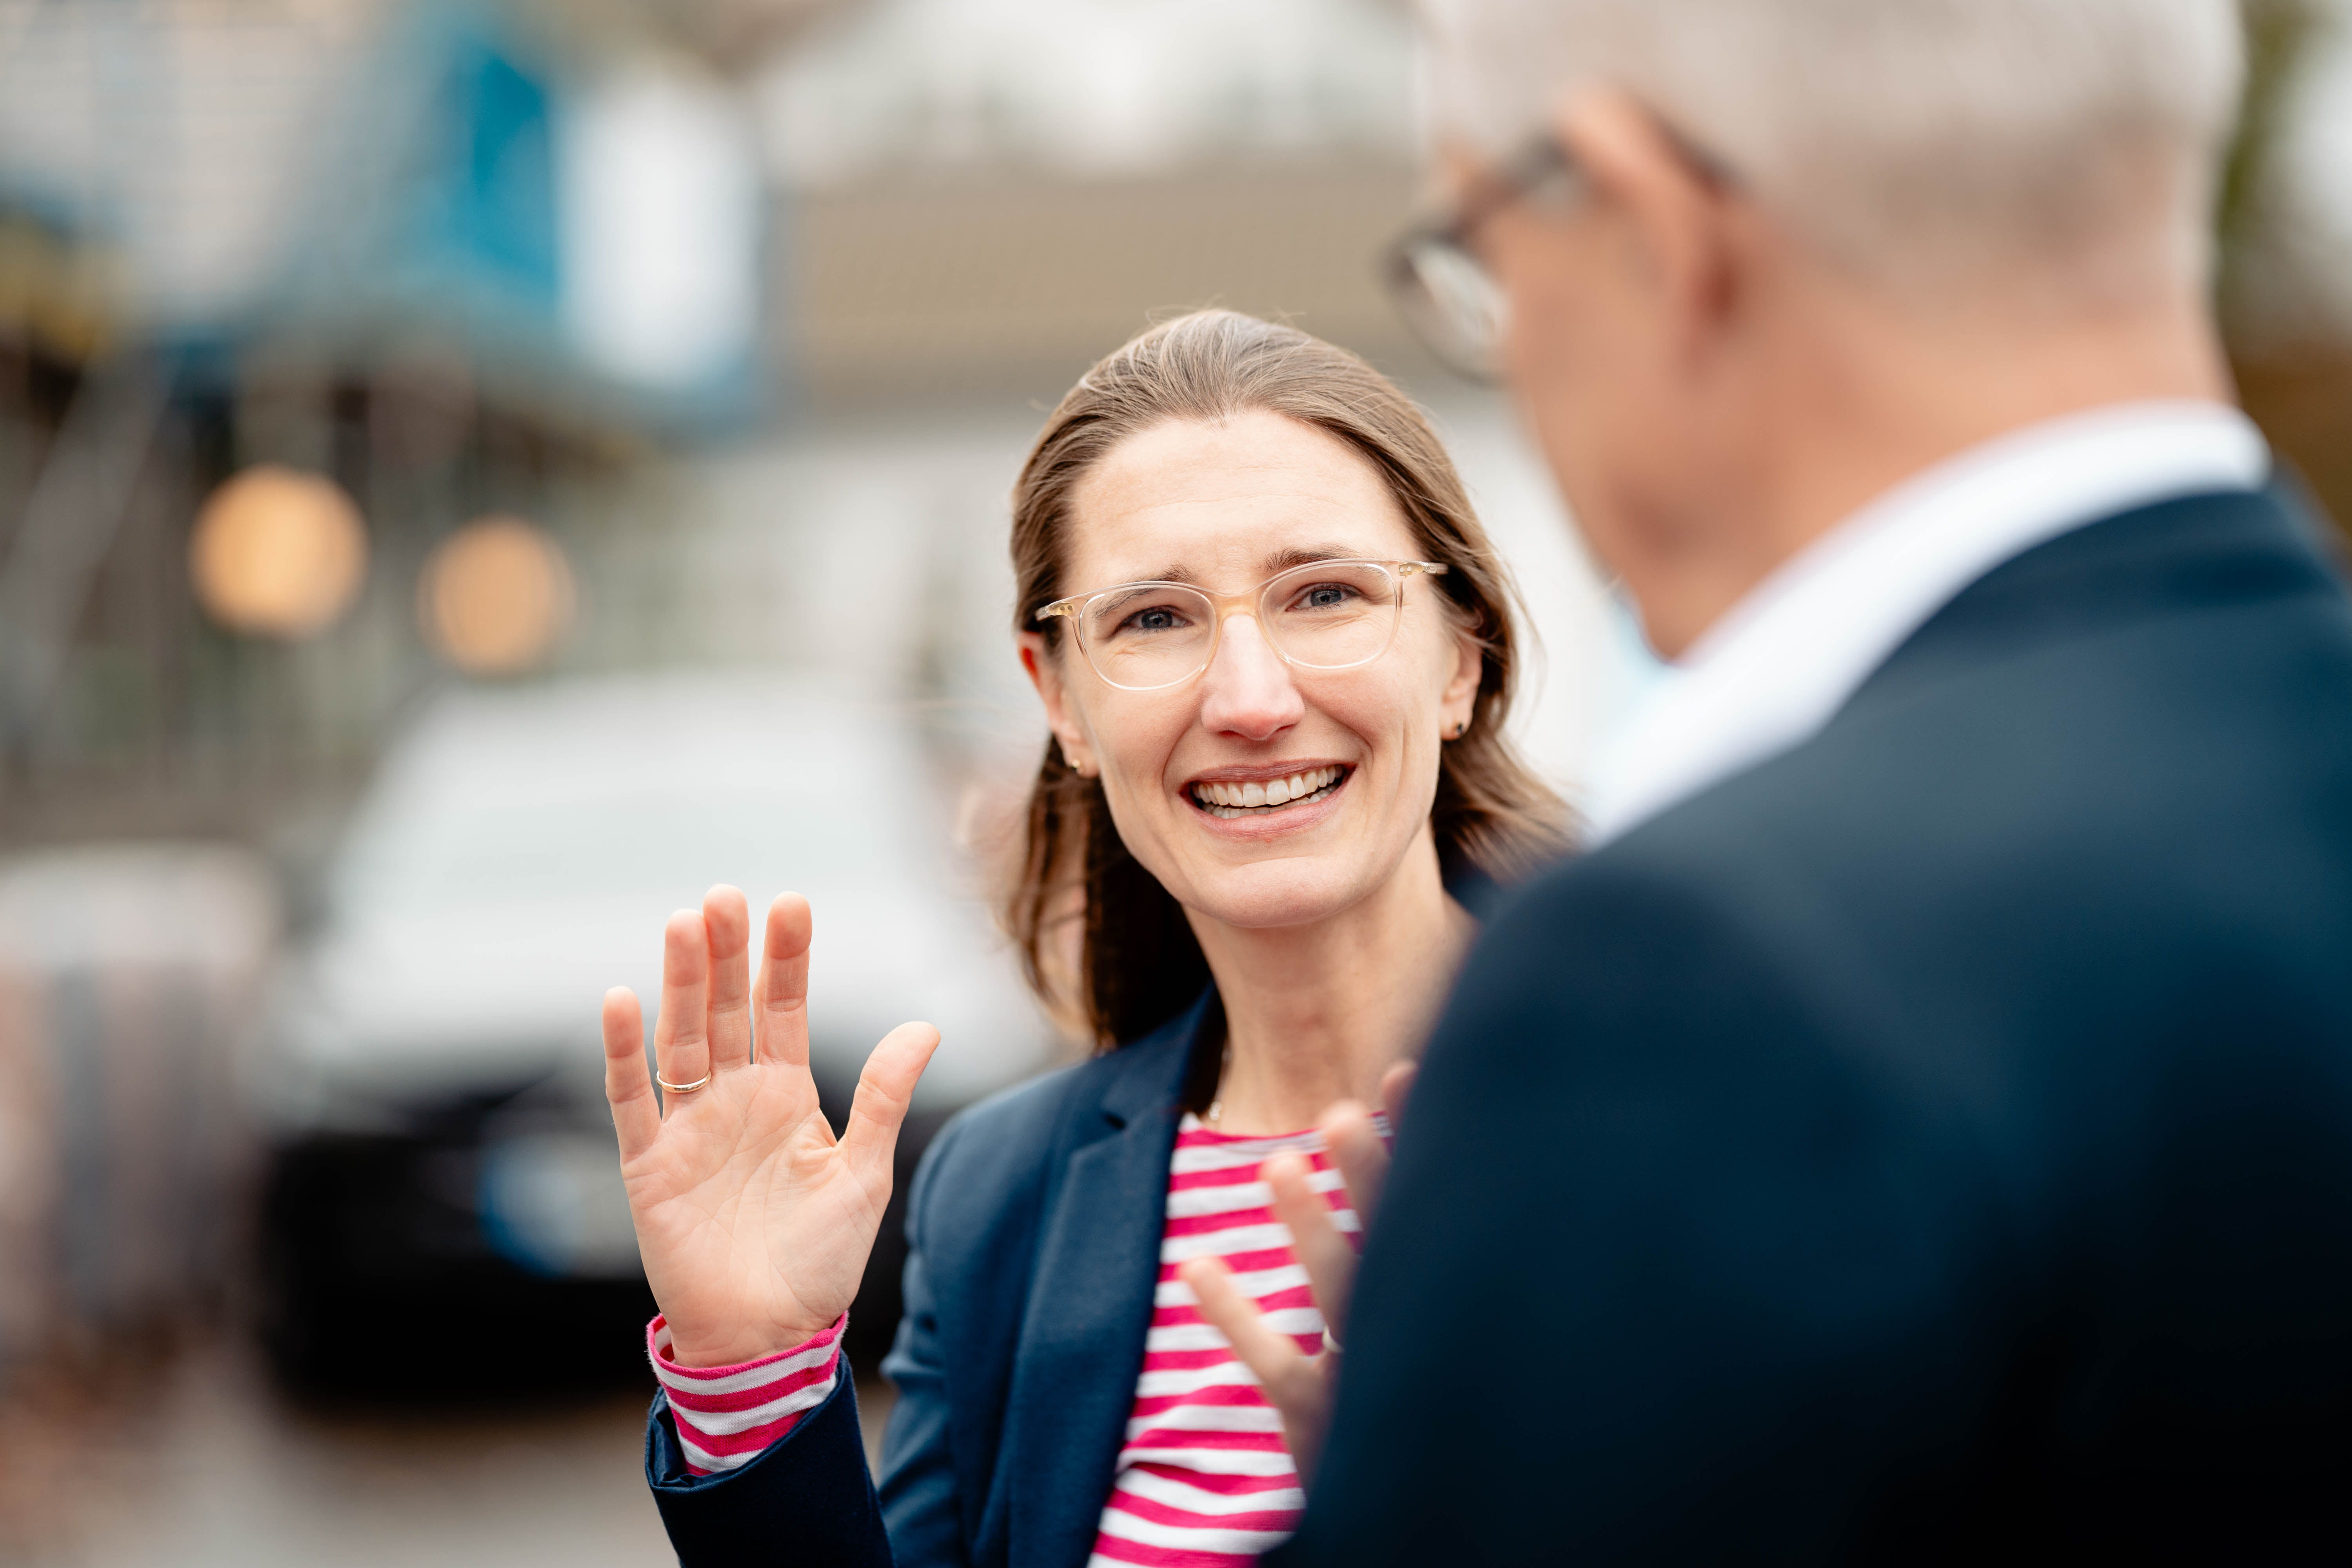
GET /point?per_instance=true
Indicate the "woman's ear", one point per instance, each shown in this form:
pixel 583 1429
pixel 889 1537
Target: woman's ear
pixel 1461 697
pixel 1044 668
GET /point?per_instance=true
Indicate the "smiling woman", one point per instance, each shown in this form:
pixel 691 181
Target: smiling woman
pixel 1275 653
pixel 1240 443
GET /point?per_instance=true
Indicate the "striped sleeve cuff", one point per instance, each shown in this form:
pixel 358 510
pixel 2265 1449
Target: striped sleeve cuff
pixel 729 1416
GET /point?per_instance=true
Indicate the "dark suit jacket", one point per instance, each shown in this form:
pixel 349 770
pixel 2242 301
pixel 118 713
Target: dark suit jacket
pixel 1933 1144
pixel 1034 1229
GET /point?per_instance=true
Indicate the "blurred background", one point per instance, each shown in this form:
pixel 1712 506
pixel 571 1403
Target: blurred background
pixel 475 472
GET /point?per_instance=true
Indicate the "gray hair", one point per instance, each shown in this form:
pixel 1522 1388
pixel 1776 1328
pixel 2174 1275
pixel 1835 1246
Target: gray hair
pixel 1907 139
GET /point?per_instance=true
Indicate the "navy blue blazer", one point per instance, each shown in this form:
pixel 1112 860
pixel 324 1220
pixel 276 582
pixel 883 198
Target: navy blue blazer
pixel 1934 1143
pixel 1032 1229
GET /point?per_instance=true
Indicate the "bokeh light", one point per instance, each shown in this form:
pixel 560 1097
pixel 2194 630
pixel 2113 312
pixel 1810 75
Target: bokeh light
pixel 278 553
pixel 496 597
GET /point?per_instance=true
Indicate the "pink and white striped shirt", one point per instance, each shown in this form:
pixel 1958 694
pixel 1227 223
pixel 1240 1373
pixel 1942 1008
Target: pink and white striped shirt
pixel 1203 1480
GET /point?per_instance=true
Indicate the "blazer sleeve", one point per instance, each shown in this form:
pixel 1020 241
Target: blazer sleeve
pixel 1660 1164
pixel 806 1501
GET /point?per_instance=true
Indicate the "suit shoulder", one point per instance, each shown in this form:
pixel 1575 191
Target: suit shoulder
pixel 2074 809
pixel 2086 764
pixel 1741 891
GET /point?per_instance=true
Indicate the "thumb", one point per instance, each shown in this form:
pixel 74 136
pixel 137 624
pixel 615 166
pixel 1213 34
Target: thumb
pixel 1395 1084
pixel 884 1091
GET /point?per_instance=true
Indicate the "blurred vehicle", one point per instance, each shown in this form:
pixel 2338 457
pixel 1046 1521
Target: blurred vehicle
pixel 431 1077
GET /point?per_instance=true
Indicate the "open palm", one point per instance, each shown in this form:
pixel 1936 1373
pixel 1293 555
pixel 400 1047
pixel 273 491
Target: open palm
pixel 754 1222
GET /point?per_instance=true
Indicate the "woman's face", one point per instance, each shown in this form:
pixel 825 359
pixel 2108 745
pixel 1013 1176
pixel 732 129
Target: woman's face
pixel 1224 507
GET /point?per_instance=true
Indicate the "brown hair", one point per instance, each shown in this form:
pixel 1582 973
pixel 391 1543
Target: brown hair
pixel 1138 963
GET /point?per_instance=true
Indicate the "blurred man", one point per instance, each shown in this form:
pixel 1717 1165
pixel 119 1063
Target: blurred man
pixel 1921 1126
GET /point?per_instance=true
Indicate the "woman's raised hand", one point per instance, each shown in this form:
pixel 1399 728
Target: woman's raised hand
pixel 754 1221
pixel 1301 1387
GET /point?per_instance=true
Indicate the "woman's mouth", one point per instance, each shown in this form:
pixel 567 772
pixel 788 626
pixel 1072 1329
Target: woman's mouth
pixel 1255 799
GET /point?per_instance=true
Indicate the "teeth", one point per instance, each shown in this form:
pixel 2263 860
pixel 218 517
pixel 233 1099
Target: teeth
pixel 1232 799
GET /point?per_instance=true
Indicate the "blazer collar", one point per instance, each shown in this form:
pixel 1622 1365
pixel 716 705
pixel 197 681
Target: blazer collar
pixel 2202 551
pixel 1148 1077
pixel 1090 1300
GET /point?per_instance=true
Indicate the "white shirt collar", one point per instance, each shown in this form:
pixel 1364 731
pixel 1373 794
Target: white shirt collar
pixel 1773 669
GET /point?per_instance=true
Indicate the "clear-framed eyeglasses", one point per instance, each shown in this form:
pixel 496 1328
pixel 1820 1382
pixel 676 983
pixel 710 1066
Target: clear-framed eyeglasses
pixel 1328 614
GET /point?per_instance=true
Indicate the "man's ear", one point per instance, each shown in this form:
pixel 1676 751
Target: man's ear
pixel 1677 233
pixel 1044 668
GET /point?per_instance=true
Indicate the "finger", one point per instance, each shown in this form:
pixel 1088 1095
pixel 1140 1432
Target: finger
pixel 1357 1150
pixel 1319 1244
pixel 884 1091
pixel 681 1047
pixel 1271 1354
pixel 1297 1385
pixel 629 1088
pixel 727 923
pixel 1395 1084
pixel 782 1008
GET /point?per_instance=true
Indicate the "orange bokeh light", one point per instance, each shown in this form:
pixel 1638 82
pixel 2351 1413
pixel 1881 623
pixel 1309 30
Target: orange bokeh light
pixel 496 597
pixel 278 553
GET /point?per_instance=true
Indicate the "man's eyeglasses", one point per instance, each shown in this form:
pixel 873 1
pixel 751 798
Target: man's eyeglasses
pixel 1445 291
pixel 1327 615
pixel 1440 287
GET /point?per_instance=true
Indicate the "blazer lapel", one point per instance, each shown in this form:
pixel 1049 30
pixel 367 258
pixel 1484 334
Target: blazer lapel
pixel 1089 1305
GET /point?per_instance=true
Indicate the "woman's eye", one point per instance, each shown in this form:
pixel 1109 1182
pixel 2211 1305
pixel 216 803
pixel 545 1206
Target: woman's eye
pixel 1325 596
pixel 1159 618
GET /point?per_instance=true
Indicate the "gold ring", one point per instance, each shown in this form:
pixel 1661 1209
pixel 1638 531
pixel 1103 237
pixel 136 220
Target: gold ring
pixel 670 1087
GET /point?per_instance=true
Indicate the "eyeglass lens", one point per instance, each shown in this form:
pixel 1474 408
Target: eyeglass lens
pixel 1328 616
pixel 1454 304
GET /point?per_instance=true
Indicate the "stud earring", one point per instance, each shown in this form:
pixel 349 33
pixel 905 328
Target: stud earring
pixel 1460 728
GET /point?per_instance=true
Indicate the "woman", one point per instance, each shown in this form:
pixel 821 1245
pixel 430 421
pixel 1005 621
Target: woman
pixel 1273 646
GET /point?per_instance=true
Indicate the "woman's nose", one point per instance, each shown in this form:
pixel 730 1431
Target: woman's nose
pixel 1247 690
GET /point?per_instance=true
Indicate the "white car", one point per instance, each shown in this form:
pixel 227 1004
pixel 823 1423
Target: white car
pixel 431 1078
